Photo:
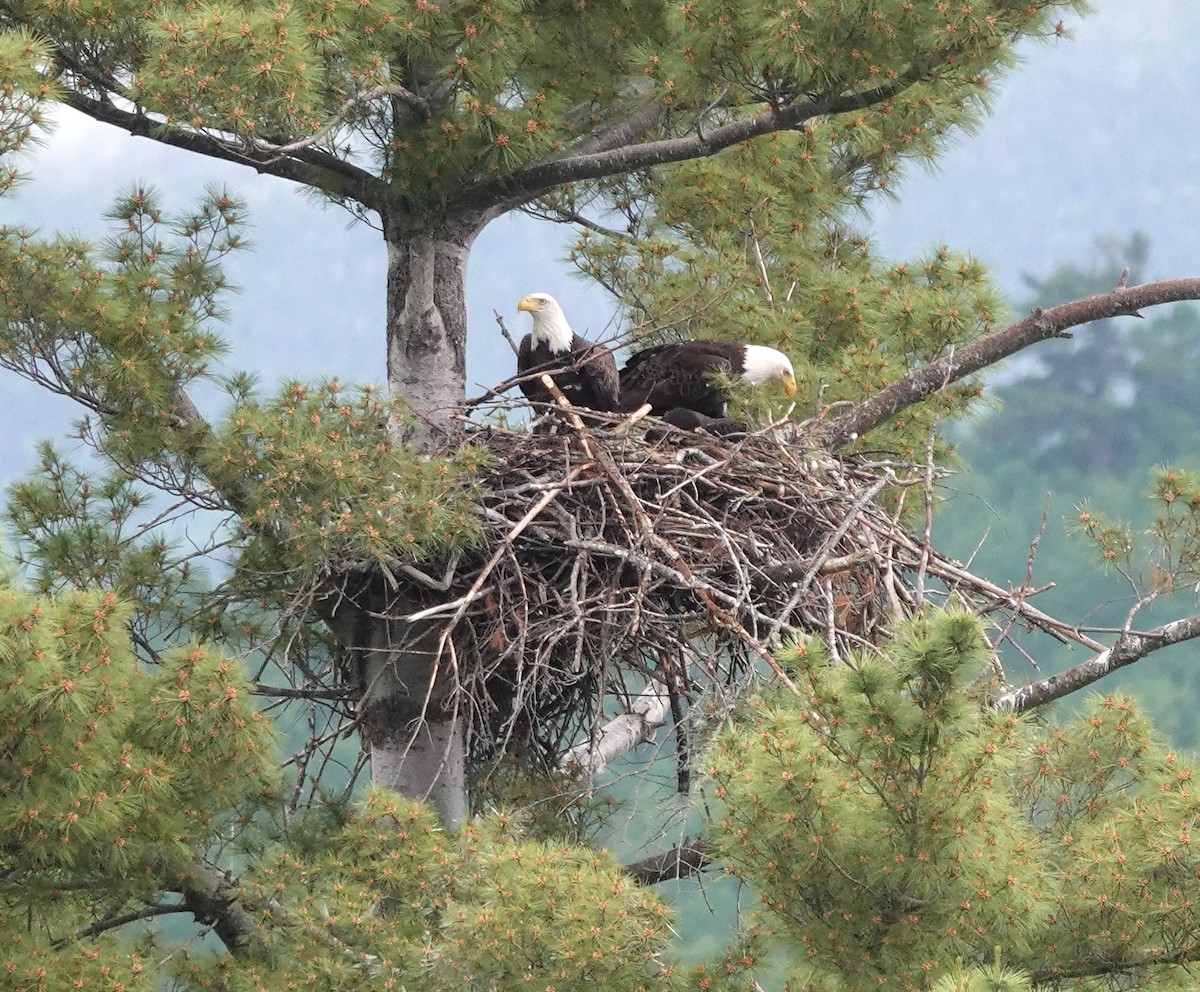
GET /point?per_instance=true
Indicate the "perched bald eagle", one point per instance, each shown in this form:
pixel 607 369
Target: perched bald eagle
pixel 677 380
pixel 584 370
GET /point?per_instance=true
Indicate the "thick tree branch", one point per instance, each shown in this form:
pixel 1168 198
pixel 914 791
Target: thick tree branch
pixel 622 733
pixel 622 130
pixel 400 94
pixel 306 165
pixel 211 896
pixel 535 180
pixel 1130 647
pixel 961 362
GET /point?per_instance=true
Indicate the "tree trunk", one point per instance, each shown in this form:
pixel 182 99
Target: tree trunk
pixel 427 327
pixel 417 742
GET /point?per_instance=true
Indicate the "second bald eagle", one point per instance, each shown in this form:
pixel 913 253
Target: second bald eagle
pixel 584 371
pixel 677 380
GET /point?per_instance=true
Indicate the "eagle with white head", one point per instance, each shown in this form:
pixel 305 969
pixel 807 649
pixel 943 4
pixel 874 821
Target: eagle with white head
pixel 584 370
pixel 680 382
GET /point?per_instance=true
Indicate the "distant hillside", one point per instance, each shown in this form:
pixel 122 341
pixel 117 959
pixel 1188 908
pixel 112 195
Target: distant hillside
pixel 1092 137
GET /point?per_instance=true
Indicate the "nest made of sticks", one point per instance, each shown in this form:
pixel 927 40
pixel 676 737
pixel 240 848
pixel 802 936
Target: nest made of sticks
pixel 619 553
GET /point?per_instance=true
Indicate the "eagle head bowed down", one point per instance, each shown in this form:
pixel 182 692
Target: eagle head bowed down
pixel 677 379
pixel 584 370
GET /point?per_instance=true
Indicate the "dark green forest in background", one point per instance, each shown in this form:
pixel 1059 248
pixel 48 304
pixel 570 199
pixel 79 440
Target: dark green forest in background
pixel 1080 425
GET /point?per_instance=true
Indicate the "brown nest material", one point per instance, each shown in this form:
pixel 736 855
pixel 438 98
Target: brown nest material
pixel 618 554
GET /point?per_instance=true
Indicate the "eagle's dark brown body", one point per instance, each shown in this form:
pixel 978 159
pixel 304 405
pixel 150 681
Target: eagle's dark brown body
pixel 586 372
pixel 681 376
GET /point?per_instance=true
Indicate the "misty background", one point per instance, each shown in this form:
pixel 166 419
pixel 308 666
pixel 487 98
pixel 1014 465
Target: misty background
pixel 1092 137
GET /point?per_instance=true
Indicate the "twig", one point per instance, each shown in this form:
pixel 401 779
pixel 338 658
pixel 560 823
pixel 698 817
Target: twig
pixel 504 330
pixel 401 93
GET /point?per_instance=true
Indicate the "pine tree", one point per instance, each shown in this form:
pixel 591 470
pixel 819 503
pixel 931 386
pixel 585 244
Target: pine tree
pixel 736 140
pixel 903 833
pixel 430 120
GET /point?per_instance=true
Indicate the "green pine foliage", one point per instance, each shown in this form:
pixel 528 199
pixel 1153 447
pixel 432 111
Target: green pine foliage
pixel 120 327
pixel 758 244
pixel 899 831
pixel 1175 529
pixel 315 476
pixel 111 774
pixel 24 95
pixel 1089 453
pixel 1161 558
pixel 516 83
pixel 82 532
pixel 325 483
pixel 393 899
pixel 117 777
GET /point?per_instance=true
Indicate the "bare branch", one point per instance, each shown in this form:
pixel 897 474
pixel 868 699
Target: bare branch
pixel 1131 646
pixel 504 330
pixel 400 93
pixel 283 692
pixel 968 359
pixel 565 215
pixel 118 920
pixel 621 734
pixel 306 165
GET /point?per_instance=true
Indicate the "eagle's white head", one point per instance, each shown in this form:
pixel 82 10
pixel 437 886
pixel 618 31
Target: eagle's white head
pixel 761 364
pixel 549 322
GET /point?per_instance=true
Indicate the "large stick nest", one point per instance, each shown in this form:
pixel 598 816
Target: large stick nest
pixel 618 555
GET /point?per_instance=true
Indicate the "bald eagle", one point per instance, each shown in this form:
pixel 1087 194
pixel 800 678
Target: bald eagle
pixel 677 379
pixel 584 370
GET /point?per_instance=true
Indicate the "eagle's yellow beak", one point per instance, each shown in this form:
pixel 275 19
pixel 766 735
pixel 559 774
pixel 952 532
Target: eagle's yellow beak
pixel 789 384
pixel 528 303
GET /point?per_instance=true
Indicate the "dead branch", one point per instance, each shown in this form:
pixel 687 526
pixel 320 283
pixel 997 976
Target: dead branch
pixel 971 358
pixel 689 857
pixel 1131 646
pixel 621 734
pixel 615 551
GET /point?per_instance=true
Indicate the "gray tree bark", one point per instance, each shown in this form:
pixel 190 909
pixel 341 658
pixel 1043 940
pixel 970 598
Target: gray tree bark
pixel 427 323
pixel 416 739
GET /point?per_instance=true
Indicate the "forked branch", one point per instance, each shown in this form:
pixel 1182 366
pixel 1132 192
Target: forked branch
pixel 1131 646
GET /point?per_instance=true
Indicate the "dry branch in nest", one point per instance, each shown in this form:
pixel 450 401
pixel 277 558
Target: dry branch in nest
pixel 621 554
pixel 621 557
